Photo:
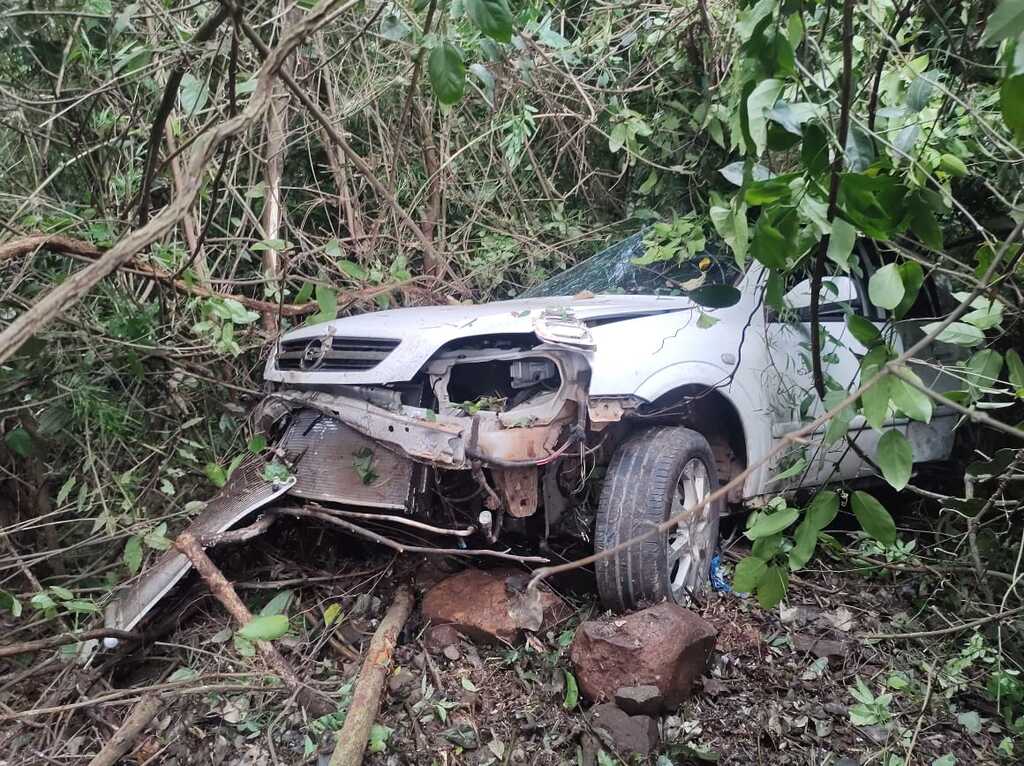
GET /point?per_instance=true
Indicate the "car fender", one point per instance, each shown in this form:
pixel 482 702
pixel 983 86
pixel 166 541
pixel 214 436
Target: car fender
pixel 752 414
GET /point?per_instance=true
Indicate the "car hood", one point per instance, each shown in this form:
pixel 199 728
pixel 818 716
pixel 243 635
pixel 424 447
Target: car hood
pixel 421 331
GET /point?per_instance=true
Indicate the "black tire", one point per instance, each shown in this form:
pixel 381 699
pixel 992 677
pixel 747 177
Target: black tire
pixel 639 491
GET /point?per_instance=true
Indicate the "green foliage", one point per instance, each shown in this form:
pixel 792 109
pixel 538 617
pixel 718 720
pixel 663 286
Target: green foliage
pixel 447 73
pixel 265 627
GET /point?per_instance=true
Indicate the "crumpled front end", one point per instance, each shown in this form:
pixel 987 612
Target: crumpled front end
pixel 489 410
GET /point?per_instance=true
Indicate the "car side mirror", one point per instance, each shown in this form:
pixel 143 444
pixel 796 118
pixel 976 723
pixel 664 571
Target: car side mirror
pixel 838 294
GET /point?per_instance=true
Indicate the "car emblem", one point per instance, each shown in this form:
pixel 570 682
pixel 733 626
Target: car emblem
pixel 314 353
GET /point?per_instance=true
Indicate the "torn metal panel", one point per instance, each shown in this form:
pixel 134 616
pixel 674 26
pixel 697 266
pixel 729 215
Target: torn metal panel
pixel 245 492
pixel 338 464
pixel 610 409
pixel 518 489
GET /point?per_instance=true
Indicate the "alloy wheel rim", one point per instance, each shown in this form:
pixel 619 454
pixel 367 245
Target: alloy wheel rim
pixel 689 543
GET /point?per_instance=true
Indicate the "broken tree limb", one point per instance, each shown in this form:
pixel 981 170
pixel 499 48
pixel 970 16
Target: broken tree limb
pixel 55 243
pixel 362 712
pixel 120 743
pixel 53 304
pixel 63 639
pixel 225 593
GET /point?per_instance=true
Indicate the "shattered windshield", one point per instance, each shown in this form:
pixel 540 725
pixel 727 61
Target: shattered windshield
pixel 627 267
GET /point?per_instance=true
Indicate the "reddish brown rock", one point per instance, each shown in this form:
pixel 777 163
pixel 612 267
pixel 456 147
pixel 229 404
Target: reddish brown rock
pixel 491 606
pixel 665 646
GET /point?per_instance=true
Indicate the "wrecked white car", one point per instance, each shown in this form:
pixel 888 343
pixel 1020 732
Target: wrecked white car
pixel 601 402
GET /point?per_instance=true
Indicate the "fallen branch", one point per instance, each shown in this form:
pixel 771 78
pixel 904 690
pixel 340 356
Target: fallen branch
pixel 223 591
pixel 401 547
pixel 233 536
pixel 366 698
pixel 63 639
pixel 945 631
pixel 122 740
pixel 56 243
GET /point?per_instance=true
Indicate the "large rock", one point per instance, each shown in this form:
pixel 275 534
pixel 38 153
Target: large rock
pixel 625 733
pixel 665 646
pixel 491 606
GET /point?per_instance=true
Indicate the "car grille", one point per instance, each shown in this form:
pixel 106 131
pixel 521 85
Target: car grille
pixel 346 354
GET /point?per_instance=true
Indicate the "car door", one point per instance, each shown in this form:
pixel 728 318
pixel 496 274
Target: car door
pixel 934 365
pixel 789 380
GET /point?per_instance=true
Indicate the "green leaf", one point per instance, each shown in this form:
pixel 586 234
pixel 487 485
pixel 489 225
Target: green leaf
pixel 766 524
pixel 9 603
pixel 805 540
pixel 759 104
pixel 912 402
pixel 1016 369
pixel 706 321
pixel 769 190
pixel 493 17
pixel 65 490
pixel 276 472
pixel 193 94
pixel 863 330
pixel 264 628
pixel 875 401
pixel 885 288
pixel 958 333
pixel 19 441
pixel 953 165
pixel 378 741
pixel 983 368
pixel 353 270
pixel 895 457
pixel 278 604
pixel 840 243
pixel 923 222
pixel 133 554
pixel 331 614
pixel 839 425
pixel 327 300
pixel 572 691
pixel 792 471
pixel 447 73
pixel 1011 103
pixel 860 151
pixel 873 518
pixel 913 277
pixel 156 538
pixel 1006 21
pixel 768 247
pixel 822 510
pixel 748 574
pixel 814 150
pixel 772 588
pixel 987 313
pixel 715 296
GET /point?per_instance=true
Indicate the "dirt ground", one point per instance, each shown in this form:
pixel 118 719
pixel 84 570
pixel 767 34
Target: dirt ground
pixel 767 698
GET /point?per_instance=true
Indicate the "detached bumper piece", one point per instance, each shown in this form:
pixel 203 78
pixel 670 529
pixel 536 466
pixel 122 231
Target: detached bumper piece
pixel 245 492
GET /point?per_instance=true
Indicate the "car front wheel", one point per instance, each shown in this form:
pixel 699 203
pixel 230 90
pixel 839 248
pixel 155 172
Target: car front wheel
pixel 656 474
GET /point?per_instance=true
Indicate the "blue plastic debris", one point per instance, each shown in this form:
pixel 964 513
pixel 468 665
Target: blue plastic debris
pixel 717 580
